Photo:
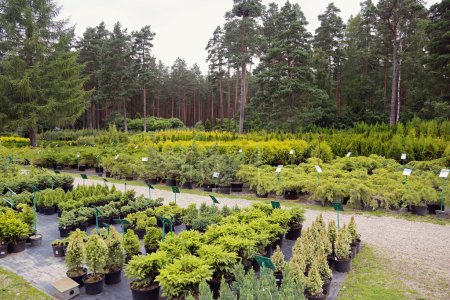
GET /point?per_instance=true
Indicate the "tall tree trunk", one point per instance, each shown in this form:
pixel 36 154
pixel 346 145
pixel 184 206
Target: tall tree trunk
pixel 221 98
pixel 242 104
pixel 33 135
pixel 394 92
pixel 157 97
pixel 173 106
pixel 145 106
pixel 212 108
pixel 236 95
pixel 125 121
pixel 228 98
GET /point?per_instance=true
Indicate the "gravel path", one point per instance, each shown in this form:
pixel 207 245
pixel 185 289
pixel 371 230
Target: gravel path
pixel 423 247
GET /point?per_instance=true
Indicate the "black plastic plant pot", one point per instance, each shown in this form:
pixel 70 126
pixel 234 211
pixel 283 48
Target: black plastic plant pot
pixel 93 288
pixel 17 247
pixel 343 266
pixel 432 207
pixel 140 233
pixel 420 210
pixel 151 293
pixel 129 178
pixel 79 278
pixel 65 231
pixel 113 277
pixel 188 227
pixel 278 278
pixel 326 286
pixel 268 250
pixel 3 250
pixel 255 266
pixel 358 245
pixel 102 220
pixel 225 189
pixel 236 187
pixel 108 174
pixel 49 210
pixel 294 233
pixel 208 187
pixel 262 195
pixel 318 297
pixel 171 182
pixel 290 195
pixel 187 185
pixel 330 260
pixel 40 209
pixel 151 181
pixel 58 251
pixel 444 214
pixel 353 248
pixel 82 168
pixel 150 251
pixel 278 242
pixel 98 170
pixel 36 240
pixel 82 226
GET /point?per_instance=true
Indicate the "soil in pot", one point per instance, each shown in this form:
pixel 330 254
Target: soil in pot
pixel 148 293
pixel 236 187
pixel 278 278
pixel 77 276
pixel 65 231
pixel 3 250
pixel 58 251
pixel 113 277
pixel 294 232
pixel 140 233
pixel 420 210
pixel 36 240
pixel 93 285
pixel 171 182
pixel 290 195
pixel 49 210
pixel 343 266
pixel 17 247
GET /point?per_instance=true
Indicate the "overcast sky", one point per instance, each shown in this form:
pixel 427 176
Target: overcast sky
pixel 182 27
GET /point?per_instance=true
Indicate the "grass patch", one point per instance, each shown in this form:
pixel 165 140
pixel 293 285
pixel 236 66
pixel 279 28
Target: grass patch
pixel 14 287
pixel 372 277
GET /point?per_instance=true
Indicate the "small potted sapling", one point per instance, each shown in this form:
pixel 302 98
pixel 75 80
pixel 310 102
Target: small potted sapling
pixel 295 223
pixel 59 247
pixel 142 271
pixel 75 257
pixel 131 245
pixel 355 236
pixel 189 214
pixel 115 257
pixel 95 253
pixel 343 261
pixel 222 263
pixel 279 263
pixel 66 223
pixel 314 284
pixel 324 270
pixel 152 236
pixel 331 233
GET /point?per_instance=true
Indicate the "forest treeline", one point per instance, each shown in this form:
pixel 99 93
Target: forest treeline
pixel 388 63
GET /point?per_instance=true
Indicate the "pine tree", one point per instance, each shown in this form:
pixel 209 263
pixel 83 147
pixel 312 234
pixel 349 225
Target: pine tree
pixel 40 82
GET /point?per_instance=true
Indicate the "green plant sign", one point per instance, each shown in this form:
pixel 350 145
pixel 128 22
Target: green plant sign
pixel 337 207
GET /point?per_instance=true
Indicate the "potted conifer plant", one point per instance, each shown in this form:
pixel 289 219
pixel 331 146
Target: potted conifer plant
pixel 95 253
pixel 75 257
pixel 115 257
pixel 355 236
pixel 314 284
pixel 142 271
pixel 295 223
pixel 279 263
pixel 343 261
pixel 131 244
pixel 152 236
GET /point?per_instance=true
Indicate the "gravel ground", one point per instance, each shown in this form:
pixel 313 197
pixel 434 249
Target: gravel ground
pixel 416 247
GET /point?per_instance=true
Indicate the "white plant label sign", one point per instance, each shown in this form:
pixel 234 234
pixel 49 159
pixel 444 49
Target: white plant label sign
pixel 145 159
pixel 279 168
pixel 116 157
pixel 136 147
pixel 291 152
pixel 403 157
pixel 407 172
pixel 444 173
pixel 216 175
pixel 319 169
pixel 78 155
pixel 240 150
pixel 348 154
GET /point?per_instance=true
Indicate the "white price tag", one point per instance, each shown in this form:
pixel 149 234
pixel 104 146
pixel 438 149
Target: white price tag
pixel 403 157
pixel 136 147
pixel 407 172
pixel 291 152
pixel 145 159
pixel 116 157
pixel 348 154
pixel 444 173
pixel 216 175
pixel 319 169
pixel 279 168
pixel 240 150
